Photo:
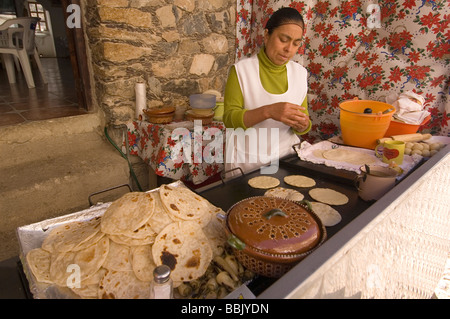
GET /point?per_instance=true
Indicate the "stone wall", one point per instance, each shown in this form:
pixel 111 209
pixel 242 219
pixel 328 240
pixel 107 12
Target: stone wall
pixel 178 47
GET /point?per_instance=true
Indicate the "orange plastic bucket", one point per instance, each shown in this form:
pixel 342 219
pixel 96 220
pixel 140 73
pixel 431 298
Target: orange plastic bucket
pixel 399 128
pixel 363 129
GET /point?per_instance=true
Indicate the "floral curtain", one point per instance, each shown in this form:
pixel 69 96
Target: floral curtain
pixel 366 49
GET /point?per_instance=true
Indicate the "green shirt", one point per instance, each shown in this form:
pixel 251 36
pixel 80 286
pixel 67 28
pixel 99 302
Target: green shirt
pixel 274 80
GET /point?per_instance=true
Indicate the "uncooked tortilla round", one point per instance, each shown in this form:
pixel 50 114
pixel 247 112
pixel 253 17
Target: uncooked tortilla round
pixel 299 181
pixel 349 156
pixel 264 182
pixel 328 196
pixel 327 214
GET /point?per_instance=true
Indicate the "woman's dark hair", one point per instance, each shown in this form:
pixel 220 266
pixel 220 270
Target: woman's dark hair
pixel 283 16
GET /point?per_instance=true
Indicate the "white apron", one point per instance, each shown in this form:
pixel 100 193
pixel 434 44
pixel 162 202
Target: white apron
pixel 262 145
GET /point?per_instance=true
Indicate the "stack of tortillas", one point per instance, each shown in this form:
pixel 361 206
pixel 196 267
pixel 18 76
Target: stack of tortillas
pixel 117 252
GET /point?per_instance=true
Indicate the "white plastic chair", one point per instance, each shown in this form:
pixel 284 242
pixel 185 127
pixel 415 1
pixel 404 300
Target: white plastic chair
pixel 17 40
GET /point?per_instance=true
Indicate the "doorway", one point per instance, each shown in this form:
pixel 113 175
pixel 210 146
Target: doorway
pixel 67 92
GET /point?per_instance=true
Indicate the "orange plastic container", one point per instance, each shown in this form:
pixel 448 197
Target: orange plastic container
pixel 399 128
pixel 362 129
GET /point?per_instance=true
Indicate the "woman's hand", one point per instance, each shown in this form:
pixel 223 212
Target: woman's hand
pixel 290 114
pixel 287 113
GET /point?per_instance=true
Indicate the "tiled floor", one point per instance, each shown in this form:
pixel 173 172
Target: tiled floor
pixel 19 104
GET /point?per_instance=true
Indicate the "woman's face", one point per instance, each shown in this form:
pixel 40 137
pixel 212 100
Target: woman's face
pixel 283 43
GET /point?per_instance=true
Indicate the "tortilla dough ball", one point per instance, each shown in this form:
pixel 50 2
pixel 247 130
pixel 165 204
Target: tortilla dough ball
pixel 435 146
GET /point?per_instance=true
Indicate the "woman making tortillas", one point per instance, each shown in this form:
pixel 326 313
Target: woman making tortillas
pixel 265 96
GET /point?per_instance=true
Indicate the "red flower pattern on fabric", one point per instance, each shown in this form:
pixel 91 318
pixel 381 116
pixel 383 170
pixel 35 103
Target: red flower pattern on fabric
pixel 347 57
